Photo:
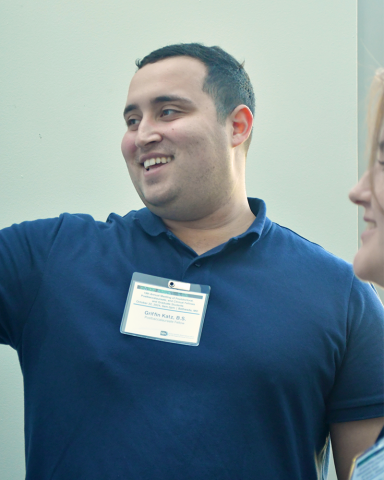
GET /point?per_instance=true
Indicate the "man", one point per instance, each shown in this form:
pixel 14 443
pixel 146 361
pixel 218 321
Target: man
pixel 291 344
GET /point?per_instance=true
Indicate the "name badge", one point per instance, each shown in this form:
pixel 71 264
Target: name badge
pixel 165 309
pixel 370 464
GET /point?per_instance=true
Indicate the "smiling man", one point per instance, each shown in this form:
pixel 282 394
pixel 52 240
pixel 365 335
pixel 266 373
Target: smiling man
pixel 270 343
pixel 197 185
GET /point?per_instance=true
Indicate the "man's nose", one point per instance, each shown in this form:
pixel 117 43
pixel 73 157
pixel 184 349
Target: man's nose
pixel 361 192
pixel 147 133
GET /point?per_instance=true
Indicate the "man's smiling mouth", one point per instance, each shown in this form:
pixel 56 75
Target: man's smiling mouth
pixel 155 161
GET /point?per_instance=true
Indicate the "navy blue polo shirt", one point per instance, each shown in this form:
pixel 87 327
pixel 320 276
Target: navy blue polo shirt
pixel 291 342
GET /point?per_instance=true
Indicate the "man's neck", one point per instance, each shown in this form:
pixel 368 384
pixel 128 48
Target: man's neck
pixel 214 229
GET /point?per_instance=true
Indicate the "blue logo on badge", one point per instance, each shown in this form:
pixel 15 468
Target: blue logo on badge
pixel 163 333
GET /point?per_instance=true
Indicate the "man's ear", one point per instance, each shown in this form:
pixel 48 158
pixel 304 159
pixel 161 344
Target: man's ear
pixel 241 121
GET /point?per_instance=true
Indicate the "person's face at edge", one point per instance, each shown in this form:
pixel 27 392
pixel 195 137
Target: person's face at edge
pixel 173 120
pixel 369 260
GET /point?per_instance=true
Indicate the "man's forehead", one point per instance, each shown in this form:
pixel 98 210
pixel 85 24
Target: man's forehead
pixel 171 74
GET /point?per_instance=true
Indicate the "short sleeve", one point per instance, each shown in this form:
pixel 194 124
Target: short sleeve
pixel 24 251
pixel 358 393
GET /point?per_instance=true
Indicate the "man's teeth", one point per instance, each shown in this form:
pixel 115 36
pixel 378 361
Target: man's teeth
pixel 152 161
pixel 371 225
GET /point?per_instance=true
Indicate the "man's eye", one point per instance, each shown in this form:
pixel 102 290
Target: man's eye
pixel 132 121
pixel 168 111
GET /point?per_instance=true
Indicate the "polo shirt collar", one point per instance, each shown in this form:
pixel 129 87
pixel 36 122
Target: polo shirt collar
pixel 261 224
pixel 154 226
pixel 150 223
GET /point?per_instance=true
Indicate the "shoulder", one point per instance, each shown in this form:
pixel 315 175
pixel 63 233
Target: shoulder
pixel 301 252
pixel 322 271
pixel 37 238
pixel 330 273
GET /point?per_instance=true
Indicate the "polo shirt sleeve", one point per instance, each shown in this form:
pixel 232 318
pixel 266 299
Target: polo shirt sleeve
pixel 358 392
pixel 24 251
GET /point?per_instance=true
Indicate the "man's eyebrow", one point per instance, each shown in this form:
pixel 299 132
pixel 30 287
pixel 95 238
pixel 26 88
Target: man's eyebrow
pixel 128 108
pixel 171 98
pixel 160 99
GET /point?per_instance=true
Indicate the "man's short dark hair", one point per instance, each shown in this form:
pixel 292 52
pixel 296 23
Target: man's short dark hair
pixel 226 82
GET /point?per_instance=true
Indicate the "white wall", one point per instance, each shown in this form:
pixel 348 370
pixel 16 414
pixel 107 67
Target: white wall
pixel 65 69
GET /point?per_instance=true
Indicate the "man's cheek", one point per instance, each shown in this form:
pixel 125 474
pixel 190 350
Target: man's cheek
pixel 128 147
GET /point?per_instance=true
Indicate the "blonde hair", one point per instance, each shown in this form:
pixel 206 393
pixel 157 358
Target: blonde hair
pixel 375 114
pixel 375 121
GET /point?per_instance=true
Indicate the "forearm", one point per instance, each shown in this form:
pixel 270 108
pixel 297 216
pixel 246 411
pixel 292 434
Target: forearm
pixel 351 438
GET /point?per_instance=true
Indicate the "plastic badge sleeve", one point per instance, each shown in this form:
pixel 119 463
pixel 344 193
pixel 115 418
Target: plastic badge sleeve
pixel 165 309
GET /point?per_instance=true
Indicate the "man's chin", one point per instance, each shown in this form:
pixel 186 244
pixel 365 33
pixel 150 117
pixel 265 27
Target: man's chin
pixel 173 207
pixel 159 203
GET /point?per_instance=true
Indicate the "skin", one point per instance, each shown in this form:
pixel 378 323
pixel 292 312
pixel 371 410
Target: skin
pixel 369 260
pixel 200 194
pixel 350 439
